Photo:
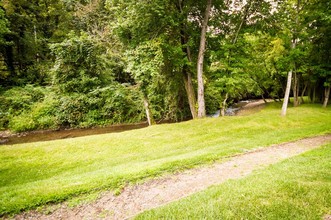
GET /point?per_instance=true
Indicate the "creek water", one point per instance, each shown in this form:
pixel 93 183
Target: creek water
pixel 37 136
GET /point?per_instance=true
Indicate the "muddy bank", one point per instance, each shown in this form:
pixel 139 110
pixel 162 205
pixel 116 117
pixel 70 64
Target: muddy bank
pixel 7 138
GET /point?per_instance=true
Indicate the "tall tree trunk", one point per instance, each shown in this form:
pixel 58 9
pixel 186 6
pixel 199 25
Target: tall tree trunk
pixel 289 76
pixel 310 98
pixel 223 107
pixel 190 89
pixel 190 94
pixel 288 86
pixel 326 96
pixel 149 115
pixel 265 101
pixel 295 90
pixel 187 75
pixel 287 93
pixel 303 92
pixel 243 20
pixel 314 94
pixel 201 56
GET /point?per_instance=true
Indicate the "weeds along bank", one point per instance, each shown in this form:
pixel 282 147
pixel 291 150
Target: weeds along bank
pixel 33 108
pixel 41 108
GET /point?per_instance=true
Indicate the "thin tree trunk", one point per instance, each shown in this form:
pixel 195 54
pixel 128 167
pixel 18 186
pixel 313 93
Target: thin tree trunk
pixel 190 94
pixel 190 88
pixel 310 98
pixel 303 92
pixel 314 94
pixel 287 93
pixel 35 41
pixel 243 20
pixel 149 115
pixel 201 56
pixel 289 76
pixel 224 104
pixel 326 96
pixel 295 90
pixel 265 101
pixel 186 70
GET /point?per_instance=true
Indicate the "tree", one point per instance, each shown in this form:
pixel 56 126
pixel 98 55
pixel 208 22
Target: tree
pixel 231 54
pixel 4 32
pixel 289 76
pixel 32 27
pixel 79 64
pixel 168 23
pixel 201 57
pixel 317 17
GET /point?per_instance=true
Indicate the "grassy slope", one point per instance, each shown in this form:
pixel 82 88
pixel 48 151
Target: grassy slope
pixel 36 173
pixel 298 188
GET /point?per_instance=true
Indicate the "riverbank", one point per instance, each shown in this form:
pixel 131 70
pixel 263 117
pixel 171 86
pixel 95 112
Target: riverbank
pixel 9 138
pixel 162 191
pixel 36 174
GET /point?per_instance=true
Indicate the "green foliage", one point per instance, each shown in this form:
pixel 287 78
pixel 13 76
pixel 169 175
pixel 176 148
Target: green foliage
pixel 32 25
pixel 23 122
pixel 80 51
pixel 109 105
pixel 318 17
pixel 80 65
pixel 35 111
pixel 31 108
pixel 18 99
pixel 4 29
pixel 72 109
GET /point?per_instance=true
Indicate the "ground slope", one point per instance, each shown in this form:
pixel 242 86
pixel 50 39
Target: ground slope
pixel 155 193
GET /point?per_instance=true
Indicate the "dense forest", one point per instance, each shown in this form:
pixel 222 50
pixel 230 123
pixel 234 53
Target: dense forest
pixel 84 63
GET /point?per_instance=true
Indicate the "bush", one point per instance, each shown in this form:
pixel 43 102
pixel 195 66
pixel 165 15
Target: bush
pixel 71 109
pixel 41 115
pixel 121 104
pixel 4 120
pixel 42 108
pixel 22 122
pixel 17 99
pixel 28 108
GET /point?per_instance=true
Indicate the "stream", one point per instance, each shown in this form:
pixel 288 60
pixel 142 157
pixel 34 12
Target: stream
pixel 36 136
pixel 48 135
pixel 231 110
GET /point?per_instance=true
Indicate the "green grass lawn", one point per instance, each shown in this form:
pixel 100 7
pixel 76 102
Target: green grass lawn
pixel 39 173
pixel 297 188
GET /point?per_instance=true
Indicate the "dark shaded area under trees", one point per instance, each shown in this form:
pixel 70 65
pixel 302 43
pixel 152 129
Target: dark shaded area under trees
pixel 83 63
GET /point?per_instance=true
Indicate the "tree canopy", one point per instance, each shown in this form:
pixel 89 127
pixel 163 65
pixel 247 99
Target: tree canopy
pixel 98 62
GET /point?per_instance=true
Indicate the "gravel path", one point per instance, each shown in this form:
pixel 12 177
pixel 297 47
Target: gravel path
pixel 158 192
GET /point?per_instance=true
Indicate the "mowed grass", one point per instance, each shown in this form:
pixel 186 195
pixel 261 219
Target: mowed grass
pixel 35 174
pixel 297 188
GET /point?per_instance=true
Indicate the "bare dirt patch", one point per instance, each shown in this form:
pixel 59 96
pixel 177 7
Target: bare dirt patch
pixel 158 192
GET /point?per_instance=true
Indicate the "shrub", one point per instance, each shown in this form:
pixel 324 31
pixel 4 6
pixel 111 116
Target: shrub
pixel 71 109
pixel 22 122
pixel 18 99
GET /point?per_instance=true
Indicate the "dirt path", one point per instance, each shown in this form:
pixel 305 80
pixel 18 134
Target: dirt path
pixel 154 193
